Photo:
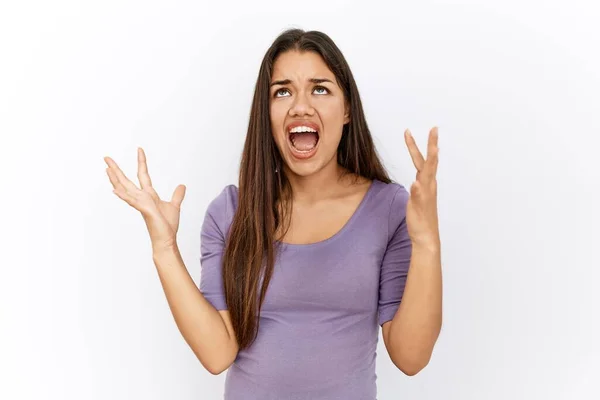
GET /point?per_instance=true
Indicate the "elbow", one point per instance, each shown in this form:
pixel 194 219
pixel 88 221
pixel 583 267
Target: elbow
pixel 215 369
pixel 413 358
pixel 411 366
pixel 218 360
pixel 212 369
pixel 411 370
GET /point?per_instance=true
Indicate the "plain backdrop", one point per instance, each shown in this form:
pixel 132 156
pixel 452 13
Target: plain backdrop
pixel 513 86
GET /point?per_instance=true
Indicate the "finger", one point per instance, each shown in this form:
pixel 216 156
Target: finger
pixel 432 152
pixel 120 175
pixel 119 189
pixel 122 194
pixel 114 180
pixel 178 195
pixel 143 175
pixel 415 188
pixel 415 154
pixel 432 141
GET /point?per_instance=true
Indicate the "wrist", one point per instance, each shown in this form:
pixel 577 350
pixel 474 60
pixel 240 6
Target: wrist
pixel 428 246
pixel 164 250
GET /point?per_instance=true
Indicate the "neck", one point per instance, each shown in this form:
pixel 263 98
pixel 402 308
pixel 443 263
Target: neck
pixel 318 186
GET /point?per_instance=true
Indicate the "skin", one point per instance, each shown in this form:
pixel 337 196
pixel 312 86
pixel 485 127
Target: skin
pixel 302 100
pixel 411 335
pixel 208 332
pixel 323 200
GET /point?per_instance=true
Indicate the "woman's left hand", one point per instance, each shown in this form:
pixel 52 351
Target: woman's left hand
pixel 421 212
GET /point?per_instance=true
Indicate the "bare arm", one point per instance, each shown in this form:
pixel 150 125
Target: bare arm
pixel 414 329
pixel 411 335
pixel 208 332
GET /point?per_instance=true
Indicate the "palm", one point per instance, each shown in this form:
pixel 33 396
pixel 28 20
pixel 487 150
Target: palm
pixel 170 213
pixel 161 217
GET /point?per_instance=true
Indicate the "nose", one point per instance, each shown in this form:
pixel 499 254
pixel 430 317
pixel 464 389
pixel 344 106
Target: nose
pixel 301 106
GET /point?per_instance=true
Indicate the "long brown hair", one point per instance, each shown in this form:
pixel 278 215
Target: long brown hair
pixel 264 199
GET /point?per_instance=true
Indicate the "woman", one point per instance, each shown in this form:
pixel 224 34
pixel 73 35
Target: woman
pixel 314 250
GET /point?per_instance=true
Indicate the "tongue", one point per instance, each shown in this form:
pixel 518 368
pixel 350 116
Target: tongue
pixel 304 140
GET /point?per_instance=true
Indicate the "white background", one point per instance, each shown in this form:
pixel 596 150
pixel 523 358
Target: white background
pixel 513 86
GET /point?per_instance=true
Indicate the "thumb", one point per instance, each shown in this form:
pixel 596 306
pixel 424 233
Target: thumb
pixel 178 196
pixel 415 189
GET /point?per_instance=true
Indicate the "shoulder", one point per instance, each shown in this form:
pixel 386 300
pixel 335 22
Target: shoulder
pixel 226 200
pixel 392 195
pixel 391 199
pixel 221 209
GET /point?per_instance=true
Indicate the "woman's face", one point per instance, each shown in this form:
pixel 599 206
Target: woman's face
pixel 307 110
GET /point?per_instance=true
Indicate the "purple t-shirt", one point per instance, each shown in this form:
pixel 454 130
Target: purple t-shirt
pixel 319 324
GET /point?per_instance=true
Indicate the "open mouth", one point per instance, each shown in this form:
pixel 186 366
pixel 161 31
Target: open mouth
pixel 303 140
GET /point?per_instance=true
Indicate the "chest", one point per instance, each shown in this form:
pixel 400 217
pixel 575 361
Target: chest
pixel 318 223
pixel 332 278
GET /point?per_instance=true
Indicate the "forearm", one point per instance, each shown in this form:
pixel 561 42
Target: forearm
pixel 417 323
pixel 198 321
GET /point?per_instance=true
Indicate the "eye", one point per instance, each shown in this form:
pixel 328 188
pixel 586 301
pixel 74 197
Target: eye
pixel 282 92
pixel 279 91
pixel 322 88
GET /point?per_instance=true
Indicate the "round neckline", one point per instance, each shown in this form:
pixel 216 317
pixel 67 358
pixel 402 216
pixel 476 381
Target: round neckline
pixel 341 231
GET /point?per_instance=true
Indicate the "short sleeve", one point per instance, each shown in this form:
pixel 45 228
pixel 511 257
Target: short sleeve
pixel 212 244
pixel 396 259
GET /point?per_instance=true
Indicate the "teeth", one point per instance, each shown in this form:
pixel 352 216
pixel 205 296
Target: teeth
pixel 299 129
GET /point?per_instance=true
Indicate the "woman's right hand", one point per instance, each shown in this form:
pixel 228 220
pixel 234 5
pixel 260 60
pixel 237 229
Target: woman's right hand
pixel 161 217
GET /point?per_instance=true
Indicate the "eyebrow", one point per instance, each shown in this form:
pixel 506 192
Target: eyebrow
pixel 313 80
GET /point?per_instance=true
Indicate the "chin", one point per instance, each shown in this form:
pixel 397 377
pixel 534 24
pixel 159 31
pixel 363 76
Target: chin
pixel 304 170
pixel 307 167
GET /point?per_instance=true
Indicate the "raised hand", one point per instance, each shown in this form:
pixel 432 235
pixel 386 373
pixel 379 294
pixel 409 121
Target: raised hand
pixel 161 217
pixel 421 213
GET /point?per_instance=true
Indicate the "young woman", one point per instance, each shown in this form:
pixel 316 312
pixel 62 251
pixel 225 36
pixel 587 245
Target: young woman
pixel 314 249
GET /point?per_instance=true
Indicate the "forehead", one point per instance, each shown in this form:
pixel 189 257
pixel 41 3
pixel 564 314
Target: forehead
pixel 296 65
